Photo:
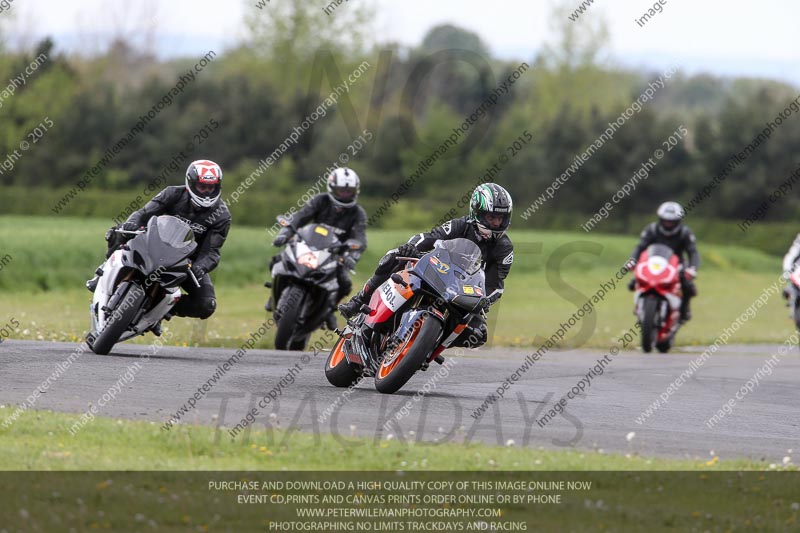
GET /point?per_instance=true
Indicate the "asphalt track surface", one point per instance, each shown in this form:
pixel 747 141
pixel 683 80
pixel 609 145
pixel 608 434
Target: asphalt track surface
pixel 763 425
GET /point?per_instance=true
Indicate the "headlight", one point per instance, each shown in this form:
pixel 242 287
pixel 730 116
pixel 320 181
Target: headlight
pixel 310 260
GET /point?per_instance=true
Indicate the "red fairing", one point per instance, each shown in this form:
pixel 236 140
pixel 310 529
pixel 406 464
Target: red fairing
pixel 664 280
pixel 380 313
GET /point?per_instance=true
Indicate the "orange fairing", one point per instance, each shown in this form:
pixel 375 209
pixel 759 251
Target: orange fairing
pixel 406 292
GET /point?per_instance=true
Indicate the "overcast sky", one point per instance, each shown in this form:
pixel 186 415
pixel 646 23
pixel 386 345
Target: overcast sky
pixel 734 37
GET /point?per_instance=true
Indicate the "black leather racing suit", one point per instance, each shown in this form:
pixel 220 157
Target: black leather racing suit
pixel 350 222
pixel 498 256
pixel 210 226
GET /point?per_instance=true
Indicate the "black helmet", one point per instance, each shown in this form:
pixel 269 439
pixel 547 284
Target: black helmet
pixel 204 182
pixel 670 217
pixel 490 201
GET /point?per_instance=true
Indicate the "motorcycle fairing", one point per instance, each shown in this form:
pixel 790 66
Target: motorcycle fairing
pixel 168 241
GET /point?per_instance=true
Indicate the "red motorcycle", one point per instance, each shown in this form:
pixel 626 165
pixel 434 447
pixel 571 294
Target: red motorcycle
pixel 658 297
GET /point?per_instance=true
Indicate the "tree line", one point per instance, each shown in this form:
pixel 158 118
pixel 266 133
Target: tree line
pixel 412 101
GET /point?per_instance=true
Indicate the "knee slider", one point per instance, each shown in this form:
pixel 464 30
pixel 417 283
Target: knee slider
pixel 206 307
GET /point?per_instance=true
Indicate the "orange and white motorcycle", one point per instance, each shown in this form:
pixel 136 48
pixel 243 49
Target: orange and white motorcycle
pixel 411 318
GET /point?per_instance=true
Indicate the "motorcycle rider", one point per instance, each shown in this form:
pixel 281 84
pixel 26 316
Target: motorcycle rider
pixel 671 231
pixel 789 261
pixel 489 217
pixel 337 207
pixel 197 203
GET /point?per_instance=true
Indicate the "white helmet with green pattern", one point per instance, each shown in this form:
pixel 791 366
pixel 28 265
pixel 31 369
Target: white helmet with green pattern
pixel 490 210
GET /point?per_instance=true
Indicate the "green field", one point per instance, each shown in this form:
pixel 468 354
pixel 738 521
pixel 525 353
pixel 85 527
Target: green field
pixel 50 258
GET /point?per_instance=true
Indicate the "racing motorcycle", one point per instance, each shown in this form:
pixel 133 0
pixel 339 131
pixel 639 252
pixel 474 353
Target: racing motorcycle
pixel 140 282
pixel 657 297
pixel 792 293
pixel 304 283
pixel 411 318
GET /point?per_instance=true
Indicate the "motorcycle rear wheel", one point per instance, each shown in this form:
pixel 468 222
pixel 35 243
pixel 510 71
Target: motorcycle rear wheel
pixel 131 300
pixel 407 358
pixel 338 370
pixel 649 323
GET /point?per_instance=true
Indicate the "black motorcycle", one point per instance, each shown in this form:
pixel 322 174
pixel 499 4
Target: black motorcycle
pixel 411 318
pixel 140 282
pixel 304 284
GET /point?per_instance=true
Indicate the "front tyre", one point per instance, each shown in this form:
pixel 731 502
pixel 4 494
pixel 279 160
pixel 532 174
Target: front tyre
pixel 649 323
pixel 128 305
pixel 796 314
pixel 338 370
pixel 288 310
pixel 404 360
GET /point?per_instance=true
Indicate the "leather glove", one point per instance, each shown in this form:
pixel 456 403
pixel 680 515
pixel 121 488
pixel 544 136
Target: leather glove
pixel 407 250
pixel 280 240
pixel 130 226
pixel 690 273
pixel 630 264
pixel 198 272
pixel 348 262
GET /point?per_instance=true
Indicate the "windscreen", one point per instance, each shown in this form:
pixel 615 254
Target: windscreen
pixel 318 236
pixel 464 254
pixel 174 232
pixel 659 250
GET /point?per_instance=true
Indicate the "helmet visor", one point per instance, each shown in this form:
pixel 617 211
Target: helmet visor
pixel 344 194
pixel 205 189
pixel 496 222
pixel 669 224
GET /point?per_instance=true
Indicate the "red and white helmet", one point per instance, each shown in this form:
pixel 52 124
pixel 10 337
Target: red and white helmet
pixel 343 187
pixel 204 182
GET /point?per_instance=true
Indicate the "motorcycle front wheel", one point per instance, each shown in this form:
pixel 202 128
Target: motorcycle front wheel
pixel 122 315
pixel 796 315
pixel 288 310
pixel 649 323
pixel 405 359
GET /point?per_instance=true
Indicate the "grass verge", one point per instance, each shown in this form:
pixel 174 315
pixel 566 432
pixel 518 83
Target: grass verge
pixel 40 440
pixel 553 274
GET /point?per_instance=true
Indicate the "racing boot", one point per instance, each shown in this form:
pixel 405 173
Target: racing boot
pixel 353 306
pixel 156 329
pixel 686 312
pixel 330 321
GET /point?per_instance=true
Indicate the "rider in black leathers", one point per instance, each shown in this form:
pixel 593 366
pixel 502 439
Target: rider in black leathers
pixel 671 231
pixel 486 225
pixel 337 208
pixel 197 203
